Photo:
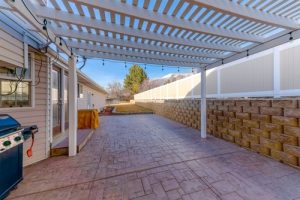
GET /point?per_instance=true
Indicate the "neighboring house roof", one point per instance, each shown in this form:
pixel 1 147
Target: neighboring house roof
pixel 84 79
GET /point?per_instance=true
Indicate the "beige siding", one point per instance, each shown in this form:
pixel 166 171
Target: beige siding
pixel 249 76
pixel 290 68
pixel 35 115
pixel 11 49
pixel 97 99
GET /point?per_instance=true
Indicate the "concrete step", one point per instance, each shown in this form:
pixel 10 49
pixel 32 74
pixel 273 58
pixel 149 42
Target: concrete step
pixel 62 148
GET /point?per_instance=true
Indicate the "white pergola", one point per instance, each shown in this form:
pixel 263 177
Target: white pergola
pixel 192 33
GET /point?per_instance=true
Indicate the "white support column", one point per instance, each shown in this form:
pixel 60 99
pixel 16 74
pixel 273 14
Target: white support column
pixel 72 106
pixel 203 103
pixel 62 100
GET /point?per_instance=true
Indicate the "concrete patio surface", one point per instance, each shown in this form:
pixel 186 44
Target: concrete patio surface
pixel 148 157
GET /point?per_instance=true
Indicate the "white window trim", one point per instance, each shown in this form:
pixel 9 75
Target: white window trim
pixel 32 89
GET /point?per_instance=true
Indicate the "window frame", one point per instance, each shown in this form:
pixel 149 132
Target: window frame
pixel 32 87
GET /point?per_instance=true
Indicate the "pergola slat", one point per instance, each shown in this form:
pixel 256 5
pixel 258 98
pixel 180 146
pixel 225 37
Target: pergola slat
pixel 136 59
pixel 251 14
pixel 85 46
pixel 96 24
pixel 140 13
pixel 101 39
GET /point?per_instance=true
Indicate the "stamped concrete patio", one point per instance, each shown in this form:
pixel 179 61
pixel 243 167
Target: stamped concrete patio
pixel 149 157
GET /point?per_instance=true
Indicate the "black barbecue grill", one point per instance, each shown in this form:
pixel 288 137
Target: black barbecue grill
pixel 12 136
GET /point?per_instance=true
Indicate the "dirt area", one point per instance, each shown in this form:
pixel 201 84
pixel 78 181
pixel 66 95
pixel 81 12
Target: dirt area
pixel 130 108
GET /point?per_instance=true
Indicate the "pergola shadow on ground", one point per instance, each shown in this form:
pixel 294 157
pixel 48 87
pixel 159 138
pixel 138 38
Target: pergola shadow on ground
pixel 150 157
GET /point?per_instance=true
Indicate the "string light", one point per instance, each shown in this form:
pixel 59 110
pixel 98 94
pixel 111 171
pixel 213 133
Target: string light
pixel 291 36
pixel 45 25
pixel 60 43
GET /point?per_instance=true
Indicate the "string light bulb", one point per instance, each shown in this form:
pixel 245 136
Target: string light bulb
pixel 162 68
pixel 125 65
pixel 60 43
pixel 193 70
pixel 248 53
pixel 145 66
pixel 178 69
pixel 291 36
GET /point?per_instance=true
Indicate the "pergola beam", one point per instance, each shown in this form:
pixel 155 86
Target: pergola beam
pixel 83 21
pixel 89 54
pixel 231 8
pixel 85 46
pixel 262 47
pixel 131 44
pixel 144 14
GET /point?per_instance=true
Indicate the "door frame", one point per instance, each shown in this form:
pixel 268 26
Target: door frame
pixel 54 139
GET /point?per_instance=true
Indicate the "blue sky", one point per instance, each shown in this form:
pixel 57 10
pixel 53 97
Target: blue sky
pixel 115 70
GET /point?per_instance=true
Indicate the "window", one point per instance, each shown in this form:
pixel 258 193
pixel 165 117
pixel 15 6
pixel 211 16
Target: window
pixel 79 91
pixel 15 86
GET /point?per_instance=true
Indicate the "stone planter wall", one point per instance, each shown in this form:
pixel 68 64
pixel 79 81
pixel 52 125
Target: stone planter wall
pixel 267 126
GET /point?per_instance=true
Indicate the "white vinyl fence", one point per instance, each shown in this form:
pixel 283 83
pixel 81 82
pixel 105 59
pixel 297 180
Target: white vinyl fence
pixel 272 73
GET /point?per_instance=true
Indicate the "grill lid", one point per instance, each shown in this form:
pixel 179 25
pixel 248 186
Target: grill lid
pixel 8 124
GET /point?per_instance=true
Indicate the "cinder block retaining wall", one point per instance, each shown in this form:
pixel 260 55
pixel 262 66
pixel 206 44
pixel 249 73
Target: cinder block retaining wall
pixel 268 126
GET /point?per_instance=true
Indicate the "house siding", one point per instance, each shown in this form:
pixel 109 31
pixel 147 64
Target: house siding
pixel 11 49
pixel 98 100
pixel 35 115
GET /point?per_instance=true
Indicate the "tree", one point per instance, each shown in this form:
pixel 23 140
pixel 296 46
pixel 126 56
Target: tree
pixel 115 90
pixel 134 79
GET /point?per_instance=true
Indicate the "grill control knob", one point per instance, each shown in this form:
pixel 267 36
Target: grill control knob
pixel 17 139
pixel 6 143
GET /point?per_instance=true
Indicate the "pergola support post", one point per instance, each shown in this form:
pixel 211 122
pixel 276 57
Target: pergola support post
pixel 203 103
pixel 72 93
